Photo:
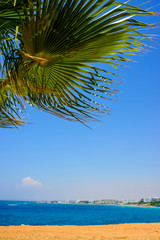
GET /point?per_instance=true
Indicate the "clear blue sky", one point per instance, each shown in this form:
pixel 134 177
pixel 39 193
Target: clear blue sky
pixel 120 158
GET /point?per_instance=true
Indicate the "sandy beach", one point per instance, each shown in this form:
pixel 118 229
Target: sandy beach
pixel 140 231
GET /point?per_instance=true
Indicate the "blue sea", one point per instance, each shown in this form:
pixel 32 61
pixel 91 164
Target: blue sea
pixel 32 213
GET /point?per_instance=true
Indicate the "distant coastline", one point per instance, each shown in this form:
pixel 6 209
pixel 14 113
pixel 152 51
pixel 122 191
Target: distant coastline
pixel 109 202
pixel 118 205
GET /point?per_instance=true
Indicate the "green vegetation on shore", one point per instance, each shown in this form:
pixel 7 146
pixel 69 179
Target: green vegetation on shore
pixel 155 204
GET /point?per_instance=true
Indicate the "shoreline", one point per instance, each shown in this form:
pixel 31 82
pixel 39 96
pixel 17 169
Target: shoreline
pixel 90 204
pixel 104 204
pixel 131 231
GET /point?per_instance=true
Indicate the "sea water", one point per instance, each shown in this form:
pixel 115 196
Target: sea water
pixel 32 213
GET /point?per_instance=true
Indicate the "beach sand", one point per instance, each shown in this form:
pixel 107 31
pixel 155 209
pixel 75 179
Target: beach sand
pixel 138 231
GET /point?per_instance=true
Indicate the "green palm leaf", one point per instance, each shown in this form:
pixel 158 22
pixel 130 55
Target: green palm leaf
pixel 61 43
pixel 10 105
pixel 10 12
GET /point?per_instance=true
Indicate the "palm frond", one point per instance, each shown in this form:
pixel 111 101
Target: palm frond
pixel 58 65
pixel 10 12
pixel 10 107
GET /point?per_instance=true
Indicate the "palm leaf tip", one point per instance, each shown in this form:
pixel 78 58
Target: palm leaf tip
pixel 10 122
pixel 62 48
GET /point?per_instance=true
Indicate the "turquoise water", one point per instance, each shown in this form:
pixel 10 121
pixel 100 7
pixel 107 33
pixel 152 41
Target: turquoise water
pixel 31 213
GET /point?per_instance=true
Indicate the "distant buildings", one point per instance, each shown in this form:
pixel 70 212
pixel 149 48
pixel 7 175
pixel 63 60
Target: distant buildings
pixel 155 199
pixel 152 199
pixel 110 201
pixel 55 202
pixel 83 202
pixel 147 199
pixel 106 201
